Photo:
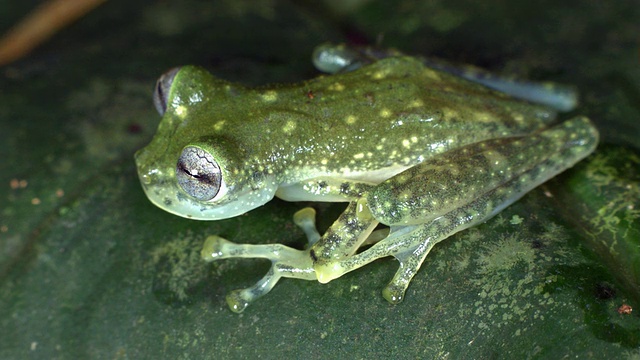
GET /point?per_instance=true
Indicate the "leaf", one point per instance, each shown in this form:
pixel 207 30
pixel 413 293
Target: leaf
pixel 89 268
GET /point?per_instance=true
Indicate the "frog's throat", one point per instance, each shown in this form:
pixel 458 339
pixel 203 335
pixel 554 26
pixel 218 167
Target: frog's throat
pixel 172 200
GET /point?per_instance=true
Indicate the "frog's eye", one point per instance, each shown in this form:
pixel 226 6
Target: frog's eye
pixel 161 93
pixel 198 173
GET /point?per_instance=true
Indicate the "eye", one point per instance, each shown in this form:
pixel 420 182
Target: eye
pixel 198 173
pixel 161 92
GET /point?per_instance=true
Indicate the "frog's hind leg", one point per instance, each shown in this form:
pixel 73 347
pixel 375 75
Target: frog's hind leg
pixel 559 97
pixel 330 58
pixel 535 159
pixel 286 262
pixel 410 262
pixel 305 219
pixel 410 245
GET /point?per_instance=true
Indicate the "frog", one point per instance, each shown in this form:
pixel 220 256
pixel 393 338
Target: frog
pixel 416 153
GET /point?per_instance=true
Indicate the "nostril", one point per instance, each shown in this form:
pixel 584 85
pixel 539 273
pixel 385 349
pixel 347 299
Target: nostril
pixel 145 179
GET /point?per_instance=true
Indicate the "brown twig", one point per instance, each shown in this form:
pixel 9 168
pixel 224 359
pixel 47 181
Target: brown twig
pixel 41 24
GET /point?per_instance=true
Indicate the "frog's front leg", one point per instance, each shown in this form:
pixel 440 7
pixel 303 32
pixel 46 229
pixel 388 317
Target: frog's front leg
pixel 286 262
pixel 459 189
pixel 341 240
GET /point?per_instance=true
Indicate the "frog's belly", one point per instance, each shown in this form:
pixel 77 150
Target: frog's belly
pixel 308 188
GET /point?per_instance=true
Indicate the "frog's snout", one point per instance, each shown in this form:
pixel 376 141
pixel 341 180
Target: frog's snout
pixel 146 172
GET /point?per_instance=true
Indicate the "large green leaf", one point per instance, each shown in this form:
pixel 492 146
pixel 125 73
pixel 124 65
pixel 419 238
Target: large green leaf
pixel 89 268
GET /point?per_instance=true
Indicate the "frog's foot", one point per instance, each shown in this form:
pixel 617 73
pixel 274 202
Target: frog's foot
pixel 336 58
pixel 306 220
pixel 409 244
pixel 410 262
pixel 238 300
pixel 286 262
pixel 332 59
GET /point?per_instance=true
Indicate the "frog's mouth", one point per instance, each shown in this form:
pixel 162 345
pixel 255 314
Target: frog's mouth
pixel 164 192
pixel 172 199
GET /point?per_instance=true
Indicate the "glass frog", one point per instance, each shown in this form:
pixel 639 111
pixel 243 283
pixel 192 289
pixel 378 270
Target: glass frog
pixel 410 148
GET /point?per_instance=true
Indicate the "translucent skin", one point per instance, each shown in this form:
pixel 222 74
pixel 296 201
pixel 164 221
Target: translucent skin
pixel 422 151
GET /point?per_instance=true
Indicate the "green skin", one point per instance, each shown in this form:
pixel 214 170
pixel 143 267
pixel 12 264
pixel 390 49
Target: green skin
pixel 424 152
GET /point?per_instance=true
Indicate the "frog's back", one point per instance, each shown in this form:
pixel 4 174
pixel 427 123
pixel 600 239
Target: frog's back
pixel 396 87
pixel 393 113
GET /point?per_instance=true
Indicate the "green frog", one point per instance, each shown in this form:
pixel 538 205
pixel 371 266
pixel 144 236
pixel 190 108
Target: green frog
pixel 417 154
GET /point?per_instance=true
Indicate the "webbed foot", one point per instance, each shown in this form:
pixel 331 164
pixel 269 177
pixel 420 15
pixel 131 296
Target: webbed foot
pixel 406 243
pixel 286 262
pixel 410 262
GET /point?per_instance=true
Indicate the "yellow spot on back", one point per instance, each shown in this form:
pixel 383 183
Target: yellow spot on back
pixel 450 113
pixel 406 195
pixel 430 73
pixel 269 96
pixel 416 104
pixel 289 127
pixel 350 119
pixel 181 111
pixel 518 117
pixel 219 125
pixel 337 87
pixel 378 75
pixel 482 116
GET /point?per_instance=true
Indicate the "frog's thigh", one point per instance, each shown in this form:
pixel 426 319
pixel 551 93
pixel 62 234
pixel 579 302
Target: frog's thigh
pixel 500 170
pixel 286 262
pixel 525 163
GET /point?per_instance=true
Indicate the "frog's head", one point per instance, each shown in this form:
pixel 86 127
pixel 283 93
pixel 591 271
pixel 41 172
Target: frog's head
pixel 189 170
